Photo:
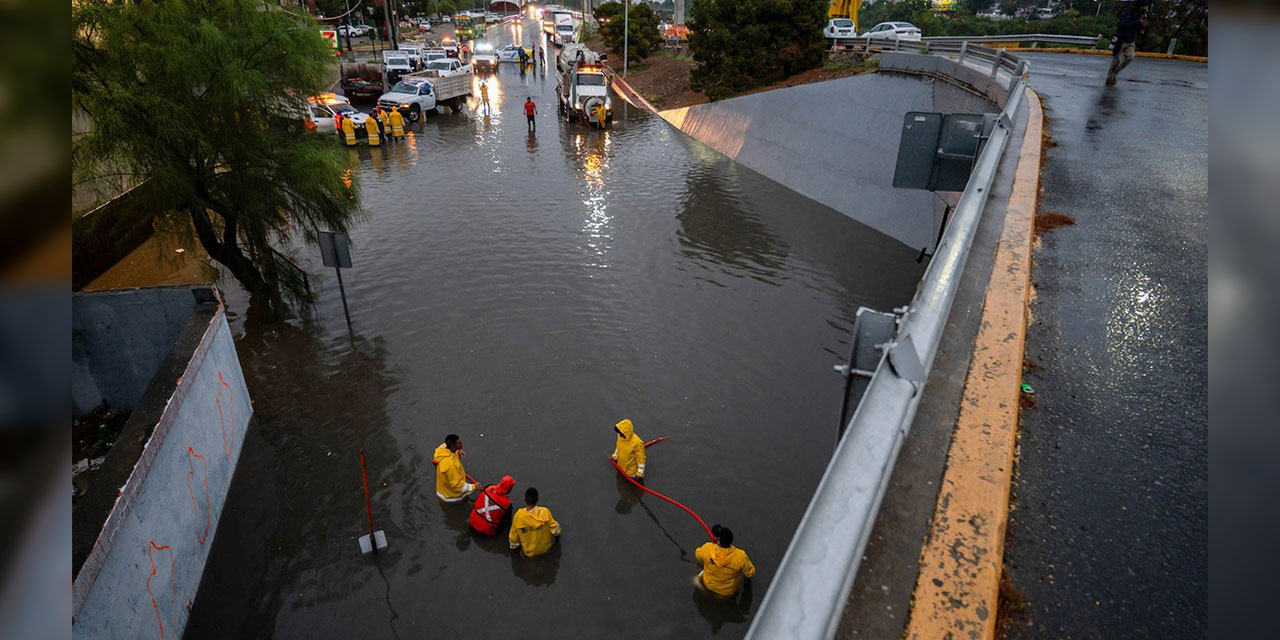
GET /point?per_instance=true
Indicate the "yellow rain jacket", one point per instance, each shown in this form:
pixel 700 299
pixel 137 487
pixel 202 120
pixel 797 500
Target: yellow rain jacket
pixel 397 123
pixel 349 131
pixel 451 477
pixel 371 127
pixel 630 450
pixel 723 569
pixel 532 530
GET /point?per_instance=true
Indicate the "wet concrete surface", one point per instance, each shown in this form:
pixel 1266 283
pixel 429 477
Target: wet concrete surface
pixel 1109 534
pixel 527 291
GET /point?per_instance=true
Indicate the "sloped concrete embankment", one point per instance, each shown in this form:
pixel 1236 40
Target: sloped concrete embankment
pixel 837 141
pixel 168 355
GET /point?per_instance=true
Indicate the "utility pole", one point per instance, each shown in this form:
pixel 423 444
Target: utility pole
pixel 391 28
pixel 349 30
pixel 626 35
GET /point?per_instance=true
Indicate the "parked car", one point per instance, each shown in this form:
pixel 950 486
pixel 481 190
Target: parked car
pixel 840 28
pixel 446 19
pixel 492 17
pixel 511 53
pixel 322 109
pixel 904 31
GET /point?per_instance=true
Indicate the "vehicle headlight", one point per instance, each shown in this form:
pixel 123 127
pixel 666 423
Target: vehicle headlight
pixel 404 105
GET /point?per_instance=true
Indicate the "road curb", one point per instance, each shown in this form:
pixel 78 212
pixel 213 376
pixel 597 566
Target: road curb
pixel 957 590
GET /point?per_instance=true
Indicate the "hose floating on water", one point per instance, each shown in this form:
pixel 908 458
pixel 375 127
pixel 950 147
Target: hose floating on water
pixel 659 495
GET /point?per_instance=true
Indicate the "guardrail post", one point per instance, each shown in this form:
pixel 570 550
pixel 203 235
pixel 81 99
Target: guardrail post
pixel 964 50
pixel 995 64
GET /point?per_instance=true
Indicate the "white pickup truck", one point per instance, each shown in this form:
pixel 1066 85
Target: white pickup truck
pixel 418 93
pixel 447 67
pixel 395 64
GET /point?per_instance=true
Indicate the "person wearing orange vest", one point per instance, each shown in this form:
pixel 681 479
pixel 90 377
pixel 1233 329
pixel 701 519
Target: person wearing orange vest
pixel 629 451
pixel 724 566
pixel 371 128
pixel 491 507
pixel 451 477
pixel 533 528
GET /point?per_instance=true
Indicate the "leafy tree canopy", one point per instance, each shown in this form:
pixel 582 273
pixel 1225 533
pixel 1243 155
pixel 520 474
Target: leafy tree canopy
pixel 641 25
pixel 741 44
pixel 203 100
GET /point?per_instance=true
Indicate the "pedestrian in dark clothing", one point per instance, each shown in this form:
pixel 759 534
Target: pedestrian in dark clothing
pixel 529 110
pixel 1132 19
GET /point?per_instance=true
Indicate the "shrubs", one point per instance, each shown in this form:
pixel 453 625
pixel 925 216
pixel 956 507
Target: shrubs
pixel 642 26
pixel 742 44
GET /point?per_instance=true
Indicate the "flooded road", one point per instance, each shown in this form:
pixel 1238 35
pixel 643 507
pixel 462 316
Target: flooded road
pixel 527 292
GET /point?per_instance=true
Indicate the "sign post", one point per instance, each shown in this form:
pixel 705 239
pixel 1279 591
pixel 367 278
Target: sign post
pixel 336 252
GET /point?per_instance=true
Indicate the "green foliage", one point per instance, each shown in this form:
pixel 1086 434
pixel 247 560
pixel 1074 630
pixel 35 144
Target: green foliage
pixel 203 99
pixel 445 7
pixel 641 27
pixel 742 44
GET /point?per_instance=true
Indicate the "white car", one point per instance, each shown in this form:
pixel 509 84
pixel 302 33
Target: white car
pixel 840 28
pixel 323 108
pixel 446 19
pixel 447 67
pixel 492 17
pixel 904 31
pixel 511 53
pixel 484 57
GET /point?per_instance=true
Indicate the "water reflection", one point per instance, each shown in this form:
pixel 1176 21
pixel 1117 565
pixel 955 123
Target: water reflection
pixel 592 151
pixel 719 610
pixel 716 227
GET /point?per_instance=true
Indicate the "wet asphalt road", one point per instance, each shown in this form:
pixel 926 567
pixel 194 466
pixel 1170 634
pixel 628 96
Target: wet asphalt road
pixel 528 290
pixel 1109 535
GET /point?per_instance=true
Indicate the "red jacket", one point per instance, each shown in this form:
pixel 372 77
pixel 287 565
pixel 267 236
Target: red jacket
pixel 528 107
pixel 491 507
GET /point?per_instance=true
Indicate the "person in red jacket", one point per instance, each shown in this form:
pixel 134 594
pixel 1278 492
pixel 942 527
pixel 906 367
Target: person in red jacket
pixel 492 506
pixel 529 110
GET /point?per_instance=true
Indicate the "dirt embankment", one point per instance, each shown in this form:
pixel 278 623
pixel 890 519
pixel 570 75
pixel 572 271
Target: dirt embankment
pixel 663 78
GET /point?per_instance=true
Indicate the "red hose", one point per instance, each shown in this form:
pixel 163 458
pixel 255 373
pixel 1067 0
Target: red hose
pixel 659 495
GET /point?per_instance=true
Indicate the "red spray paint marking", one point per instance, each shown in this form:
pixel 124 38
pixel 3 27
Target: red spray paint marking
pixel 208 517
pixel 659 495
pixel 172 579
pixel 227 444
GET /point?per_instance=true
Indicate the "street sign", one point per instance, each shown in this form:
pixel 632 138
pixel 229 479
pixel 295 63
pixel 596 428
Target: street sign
pixel 334 249
pixel 332 36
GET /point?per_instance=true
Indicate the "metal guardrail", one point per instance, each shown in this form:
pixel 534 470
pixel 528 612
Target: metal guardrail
pixel 809 593
pixel 869 44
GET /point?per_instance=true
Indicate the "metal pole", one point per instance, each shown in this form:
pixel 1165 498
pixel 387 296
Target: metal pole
pixel 343 291
pixel 348 3
pixel 391 30
pixel 626 34
pixel 368 505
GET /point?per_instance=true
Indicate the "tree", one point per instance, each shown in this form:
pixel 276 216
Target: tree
pixel 741 44
pixel 641 25
pixel 203 99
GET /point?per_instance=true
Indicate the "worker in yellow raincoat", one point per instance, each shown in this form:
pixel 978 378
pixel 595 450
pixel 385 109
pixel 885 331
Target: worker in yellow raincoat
pixel 630 449
pixel 602 114
pixel 724 566
pixel 451 477
pixel 349 132
pixel 397 123
pixel 533 528
pixel 371 127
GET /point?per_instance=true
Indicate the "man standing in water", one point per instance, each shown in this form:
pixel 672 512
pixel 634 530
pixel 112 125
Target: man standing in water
pixel 529 110
pixel 533 528
pixel 724 566
pixel 451 477
pixel 629 451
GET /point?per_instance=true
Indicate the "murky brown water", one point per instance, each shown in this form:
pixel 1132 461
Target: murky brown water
pixel 527 292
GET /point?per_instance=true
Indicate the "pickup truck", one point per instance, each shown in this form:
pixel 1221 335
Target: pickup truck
pixel 580 90
pixel 418 93
pixel 444 68
pixel 394 65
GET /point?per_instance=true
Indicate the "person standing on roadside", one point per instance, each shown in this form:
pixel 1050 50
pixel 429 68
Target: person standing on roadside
pixel 1132 20
pixel 529 110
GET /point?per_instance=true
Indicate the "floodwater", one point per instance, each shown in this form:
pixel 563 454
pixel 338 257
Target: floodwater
pixel 527 292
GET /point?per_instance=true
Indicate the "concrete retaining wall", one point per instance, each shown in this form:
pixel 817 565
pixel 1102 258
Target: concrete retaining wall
pixel 143 571
pixel 118 340
pixel 837 141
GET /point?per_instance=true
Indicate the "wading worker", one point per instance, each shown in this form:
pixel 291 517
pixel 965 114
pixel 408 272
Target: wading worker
pixel 629 451
pixel 529 110
pixel 491 507
pixel 533 528
pixel 451 477
pixel 723 565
